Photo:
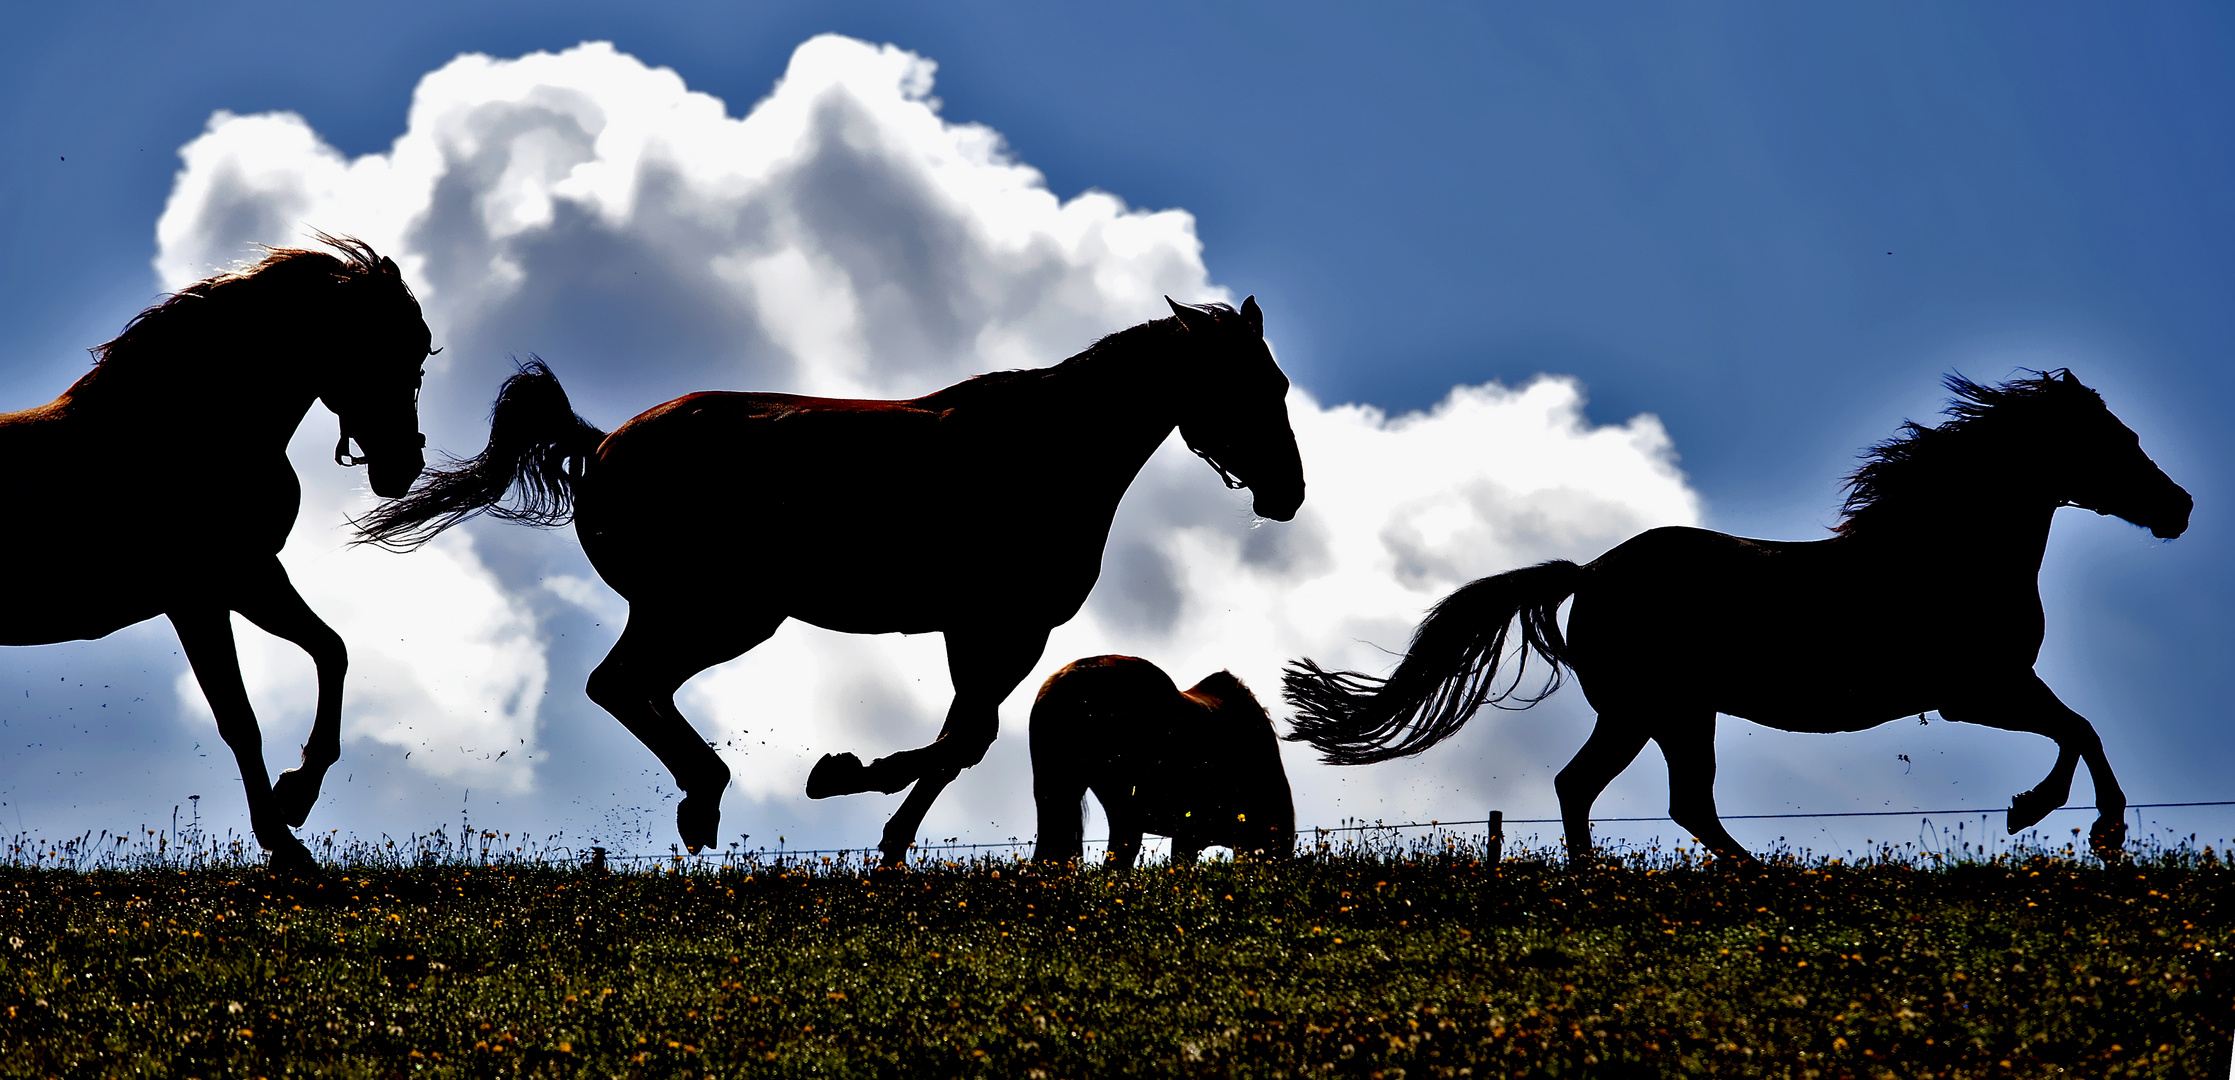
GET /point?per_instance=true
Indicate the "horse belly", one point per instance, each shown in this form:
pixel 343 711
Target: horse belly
pixel 930 597
pixel 48 615
pixel 849 584
pixel 912 574
pixel 1827 705
pixel 1688 619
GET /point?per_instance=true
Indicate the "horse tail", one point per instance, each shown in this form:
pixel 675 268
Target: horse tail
pixel 537 451
pixel 1450 671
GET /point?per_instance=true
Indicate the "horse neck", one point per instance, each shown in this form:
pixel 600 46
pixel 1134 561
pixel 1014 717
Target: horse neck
pixel 1970 522
pixel 238 404
pixel 1118 397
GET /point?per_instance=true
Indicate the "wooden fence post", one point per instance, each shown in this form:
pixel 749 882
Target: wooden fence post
pixel 1497 840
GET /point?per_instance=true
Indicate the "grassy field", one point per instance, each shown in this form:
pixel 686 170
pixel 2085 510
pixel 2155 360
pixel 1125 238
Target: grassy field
pixel 1421 964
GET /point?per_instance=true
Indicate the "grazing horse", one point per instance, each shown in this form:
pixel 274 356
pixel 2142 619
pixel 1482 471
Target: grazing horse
pixel 1934 562
pixel 158 484
pixel 978 511
pixel 1201 766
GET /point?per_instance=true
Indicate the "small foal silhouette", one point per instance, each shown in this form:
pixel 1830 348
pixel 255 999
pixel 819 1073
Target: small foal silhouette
pixel 158 484
pixel 978 511
pixel 1926 598
pixel 1201 766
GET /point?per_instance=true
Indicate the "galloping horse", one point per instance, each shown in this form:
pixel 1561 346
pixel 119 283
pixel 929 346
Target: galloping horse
pixel 1199 765
pixel 978 511
pixel 182 426
pixel 1936 556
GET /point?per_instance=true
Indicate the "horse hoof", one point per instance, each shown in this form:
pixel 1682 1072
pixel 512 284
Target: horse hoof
pixel 292 859
pixel 2028 809
pixel 836 774
pixel 2108 838
pixel 294 794
pixel 699 819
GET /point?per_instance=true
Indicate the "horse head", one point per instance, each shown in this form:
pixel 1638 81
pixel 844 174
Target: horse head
pixel 373 382
pixel 1236 412
pixel 2103 467
pixel 1243 754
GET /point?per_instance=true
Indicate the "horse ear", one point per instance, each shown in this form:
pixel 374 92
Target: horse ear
pixel 388 266
pixel 1192 317
pixel 1253 317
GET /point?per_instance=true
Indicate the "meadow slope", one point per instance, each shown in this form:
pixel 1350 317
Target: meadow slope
pixel 1415 965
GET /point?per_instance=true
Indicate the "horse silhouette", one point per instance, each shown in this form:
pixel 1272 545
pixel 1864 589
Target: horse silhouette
pixel 1201 766
pixel 978 511
pixel 158 484
pixel 1925 598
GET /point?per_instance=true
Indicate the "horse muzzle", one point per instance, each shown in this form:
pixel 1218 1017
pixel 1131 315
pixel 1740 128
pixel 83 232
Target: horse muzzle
pixel 390 468
pixel 2165 511
pixel 391 476
pixel 1277 505
pixel 2176 522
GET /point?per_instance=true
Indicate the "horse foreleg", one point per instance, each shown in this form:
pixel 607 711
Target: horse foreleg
pixel 985 667
pixel 1613 744
pixel 271 602
pixel 1689 746
pixel 900 829
pixel 2028 807
pixel 2029 705
pixel 657 653
pixel 206 634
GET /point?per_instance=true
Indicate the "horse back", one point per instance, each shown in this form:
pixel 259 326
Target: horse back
pixel 713 479
pixel 696 426
pixel 1094 709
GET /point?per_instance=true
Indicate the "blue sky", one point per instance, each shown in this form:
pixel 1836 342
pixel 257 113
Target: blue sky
pixel 1770 229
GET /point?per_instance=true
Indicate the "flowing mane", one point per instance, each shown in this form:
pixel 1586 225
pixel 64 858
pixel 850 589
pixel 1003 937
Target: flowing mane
pixel 186 312
pixel 1916 461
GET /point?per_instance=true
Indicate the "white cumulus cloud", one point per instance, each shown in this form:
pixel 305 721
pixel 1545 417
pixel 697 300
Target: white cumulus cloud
pixel 840 237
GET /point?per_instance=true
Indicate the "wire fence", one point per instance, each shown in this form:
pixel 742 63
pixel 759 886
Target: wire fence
pixel 1964 810
pixel 1494 822
pixel 187 846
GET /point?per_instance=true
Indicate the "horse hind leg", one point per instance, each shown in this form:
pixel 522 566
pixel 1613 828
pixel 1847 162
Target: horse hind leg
pixel 1123 809
pixel 1059 795
pixel 1187 850
pixel 657 653
pixel 1061 835
pixel 1613 744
